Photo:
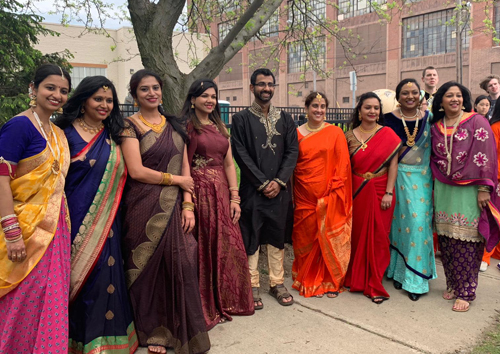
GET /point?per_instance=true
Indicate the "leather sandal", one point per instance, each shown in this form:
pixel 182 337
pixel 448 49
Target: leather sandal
pixel 257 299
pixel 279 292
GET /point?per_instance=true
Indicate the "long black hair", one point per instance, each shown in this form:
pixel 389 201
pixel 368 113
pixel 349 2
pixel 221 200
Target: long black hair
pixel 355 121
pixel 437 115
pixel 175 122
pixel 196 90
pixel 495 115
pixel 87 87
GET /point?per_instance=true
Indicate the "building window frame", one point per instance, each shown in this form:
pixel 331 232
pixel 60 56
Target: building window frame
pixel 223 29
pixel 429 34
pixel 81 71
pixel 315 10
pixel 352 8
pixel 496 20
pixel 299 55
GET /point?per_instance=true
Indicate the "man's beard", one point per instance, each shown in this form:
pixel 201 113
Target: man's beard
pixel 265 99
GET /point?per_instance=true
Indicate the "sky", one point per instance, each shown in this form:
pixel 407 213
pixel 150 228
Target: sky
pixel 44 8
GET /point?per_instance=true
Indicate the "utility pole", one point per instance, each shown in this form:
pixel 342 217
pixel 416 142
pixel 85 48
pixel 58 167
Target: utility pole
pixel 458 38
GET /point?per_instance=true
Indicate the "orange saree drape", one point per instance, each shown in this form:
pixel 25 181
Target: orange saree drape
pixel 370 255
pixel 495 253
pixel 323 212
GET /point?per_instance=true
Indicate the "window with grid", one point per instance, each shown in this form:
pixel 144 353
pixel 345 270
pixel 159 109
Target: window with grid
pixel 224 28
pixel 78 73
pixel 270 28
pixel 306 12
pixel 349 8
pixel 429 34
pixel 304 55
pixel 226 6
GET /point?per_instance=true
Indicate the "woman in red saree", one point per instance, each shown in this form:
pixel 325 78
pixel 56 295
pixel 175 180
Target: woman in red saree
pixel 373 149
pixel 224 277
pixel 323 204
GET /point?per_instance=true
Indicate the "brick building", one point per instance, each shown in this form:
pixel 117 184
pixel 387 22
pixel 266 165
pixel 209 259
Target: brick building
pixel 415 38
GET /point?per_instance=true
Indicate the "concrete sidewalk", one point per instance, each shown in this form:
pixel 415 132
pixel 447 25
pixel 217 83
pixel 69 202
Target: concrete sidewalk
pixel 351 323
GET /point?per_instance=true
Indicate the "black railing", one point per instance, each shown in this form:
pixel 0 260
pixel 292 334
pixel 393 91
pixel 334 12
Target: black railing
pixel 337 116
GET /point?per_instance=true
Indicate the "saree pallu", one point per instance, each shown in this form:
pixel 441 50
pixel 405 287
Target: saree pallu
pixel 412 243
pixel 323 212
pixel 99 315
pixel 370 253
pixel 34 293
pixel 473 163
pixel 160 260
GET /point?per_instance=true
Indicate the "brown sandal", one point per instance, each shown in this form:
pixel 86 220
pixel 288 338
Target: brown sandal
pixel 280 292
pixel 257 299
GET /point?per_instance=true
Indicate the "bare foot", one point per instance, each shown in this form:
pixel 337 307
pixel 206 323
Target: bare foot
pixel 461 306
pixel 157 349
pixel 319 296
pixel 332 294
pixel 449 295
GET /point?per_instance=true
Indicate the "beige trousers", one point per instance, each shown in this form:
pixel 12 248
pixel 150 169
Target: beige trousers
pixel 275 261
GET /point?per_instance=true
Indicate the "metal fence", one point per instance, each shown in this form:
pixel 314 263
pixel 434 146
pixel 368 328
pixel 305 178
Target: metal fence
pixel 337 116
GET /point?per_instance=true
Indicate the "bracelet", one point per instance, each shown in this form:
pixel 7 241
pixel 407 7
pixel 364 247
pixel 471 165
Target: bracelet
pixel 166 179
pixel 14 235
pixel 235 201
pixel 14 240
pixel 10 221
pixel 234 189
pixel 187 208
pixel 483 189
pixel 388 193
pixel 11 227
pixel 189 204
pixel 10 216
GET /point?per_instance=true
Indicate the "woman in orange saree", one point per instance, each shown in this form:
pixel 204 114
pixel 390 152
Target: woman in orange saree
pixel 323 205
pixel 373 151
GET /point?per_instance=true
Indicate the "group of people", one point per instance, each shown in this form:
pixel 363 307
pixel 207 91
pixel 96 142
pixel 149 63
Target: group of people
pixel 125 232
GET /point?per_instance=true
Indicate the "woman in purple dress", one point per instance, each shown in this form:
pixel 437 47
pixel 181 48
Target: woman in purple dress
pixel 224 277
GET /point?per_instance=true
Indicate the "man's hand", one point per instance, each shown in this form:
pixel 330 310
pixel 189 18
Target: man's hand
pixel 272 189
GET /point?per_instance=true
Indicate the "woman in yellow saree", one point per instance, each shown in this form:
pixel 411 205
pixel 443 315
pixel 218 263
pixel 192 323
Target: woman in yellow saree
pixel 34 238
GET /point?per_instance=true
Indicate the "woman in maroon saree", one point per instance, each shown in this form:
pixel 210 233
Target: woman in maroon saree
pixel 158 249
pixel 224 277
pixel 373 151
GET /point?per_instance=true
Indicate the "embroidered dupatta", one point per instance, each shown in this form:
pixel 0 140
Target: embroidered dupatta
pixel 37 194
pixel 474 162
pixel 95 183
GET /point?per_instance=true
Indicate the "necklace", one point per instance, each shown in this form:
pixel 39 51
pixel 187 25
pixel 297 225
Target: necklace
pixel 157 128
pixel 55 165
pixel 410 137
pixel 312 130
pixel 89 128
pixel 367 131
pixel 207 123
pixel 448 153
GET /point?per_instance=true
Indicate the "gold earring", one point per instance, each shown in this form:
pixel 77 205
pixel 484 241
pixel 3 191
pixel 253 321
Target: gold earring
pixel 82 110
pixel 441 109
pixel 192 105
pixel 59 110
pixel 136 104
pixel 398 105
pixel 463 108
pixel 161 101
pixel 307 116
pixel 33 102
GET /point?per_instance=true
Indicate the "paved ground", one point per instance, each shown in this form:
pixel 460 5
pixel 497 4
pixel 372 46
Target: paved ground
pixel 353 324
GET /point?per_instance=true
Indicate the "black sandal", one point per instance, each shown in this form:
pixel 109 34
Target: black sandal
pixel 279 292
pixel 379 299
pixel 257 299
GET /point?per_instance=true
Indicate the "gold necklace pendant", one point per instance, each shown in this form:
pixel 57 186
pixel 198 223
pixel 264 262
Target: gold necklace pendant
pixel 88 128
pixel 157 128
pixel 363 145
pixel 313 130
pixel 367 131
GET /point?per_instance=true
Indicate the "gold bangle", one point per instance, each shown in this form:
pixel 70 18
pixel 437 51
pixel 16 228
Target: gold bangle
pixel 483 189
pixel 234 189
pixel 188 204
pixel 166 179
pixel 187 208
pixel 235 201
pixel 14 240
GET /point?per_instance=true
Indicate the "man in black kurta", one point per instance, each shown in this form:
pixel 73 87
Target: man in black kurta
pixel 264 144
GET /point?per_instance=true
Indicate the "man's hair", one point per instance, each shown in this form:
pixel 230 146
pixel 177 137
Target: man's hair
pixel 484 83
pixel 261 71
pixel 428 68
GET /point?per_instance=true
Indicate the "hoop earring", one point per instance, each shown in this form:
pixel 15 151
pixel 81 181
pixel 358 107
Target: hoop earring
pixel 82 110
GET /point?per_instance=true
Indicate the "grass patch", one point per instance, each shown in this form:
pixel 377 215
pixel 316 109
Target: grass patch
pixel 491 342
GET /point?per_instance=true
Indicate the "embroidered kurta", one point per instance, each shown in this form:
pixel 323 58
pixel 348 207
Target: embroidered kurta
pixel 265 149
